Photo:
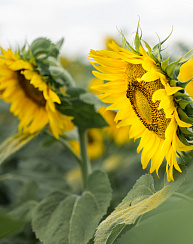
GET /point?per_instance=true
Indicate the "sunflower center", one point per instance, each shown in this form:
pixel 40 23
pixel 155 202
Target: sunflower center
pixel 143 106
pixel 30 91
pixel 140 95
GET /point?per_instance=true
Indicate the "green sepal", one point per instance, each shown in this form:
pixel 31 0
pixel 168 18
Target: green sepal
pixel 59 74
pixel 137 41
pixel 170 70
pixel 180 95
pixel 42 48
pixel 148 48
pixel 178 63
pixel 150 52
pixel 184 117
pixel 183 138
pixel 156 52
pixel 173 83
pixel 26 55
pixel 189 109
pixel 84 113
pixel 164 64
pixel 183 103
pixel 157 48
pixel 59 43
pixel 127 45
pixel 184 84
pixel 188 154
pixel 186 132
pixel 177 70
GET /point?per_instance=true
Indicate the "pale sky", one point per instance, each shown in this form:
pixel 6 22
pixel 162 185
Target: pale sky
pixel 85 23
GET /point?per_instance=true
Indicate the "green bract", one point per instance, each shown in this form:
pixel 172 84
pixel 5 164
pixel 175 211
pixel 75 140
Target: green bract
pixel 44 55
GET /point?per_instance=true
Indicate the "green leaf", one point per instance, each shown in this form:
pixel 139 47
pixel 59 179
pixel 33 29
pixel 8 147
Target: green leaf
pixel 61 76
pixel 29 191
pixel 24 211
pixel 75 92
pixel 73 219
pixel 58 73
pixel 85 115
pixel 42 47
pixel 187 186
pixel 13 144
pixel 170 223
pixel 91 99
pixel 140 200
pixel 8 225
pixel 115 233
pixel 83 109
pixel 25 201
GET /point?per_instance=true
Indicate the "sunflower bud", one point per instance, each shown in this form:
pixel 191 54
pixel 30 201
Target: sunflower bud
pixel 27 83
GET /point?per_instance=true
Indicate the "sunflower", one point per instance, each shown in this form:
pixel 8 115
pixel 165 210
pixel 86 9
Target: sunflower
pixel 120 135
pixel 139 88
pixel 186 74
pixel 32 99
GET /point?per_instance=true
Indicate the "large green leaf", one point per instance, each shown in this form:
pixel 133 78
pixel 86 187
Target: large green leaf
pixel 140 200
pixel 73 219
pixel 170 223
pixel 8 225
pixel 25 201
pixel 83 109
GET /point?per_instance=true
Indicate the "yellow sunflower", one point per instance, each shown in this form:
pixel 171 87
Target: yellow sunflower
pixel 140 91
pixel 119 135
pixel 186 73
pixel 32 100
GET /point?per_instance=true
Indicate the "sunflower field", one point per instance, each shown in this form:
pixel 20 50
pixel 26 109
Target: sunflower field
pixel 96 152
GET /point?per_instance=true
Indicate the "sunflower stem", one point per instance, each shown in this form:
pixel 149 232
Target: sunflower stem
pixel 184 197
pixel 85 162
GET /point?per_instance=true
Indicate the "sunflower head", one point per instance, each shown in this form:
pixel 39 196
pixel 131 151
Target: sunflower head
pixel 30 80
pixel 144 91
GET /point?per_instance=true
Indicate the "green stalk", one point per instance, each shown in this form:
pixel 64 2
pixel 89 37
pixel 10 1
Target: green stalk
pixel 184 197
pixel 85 162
